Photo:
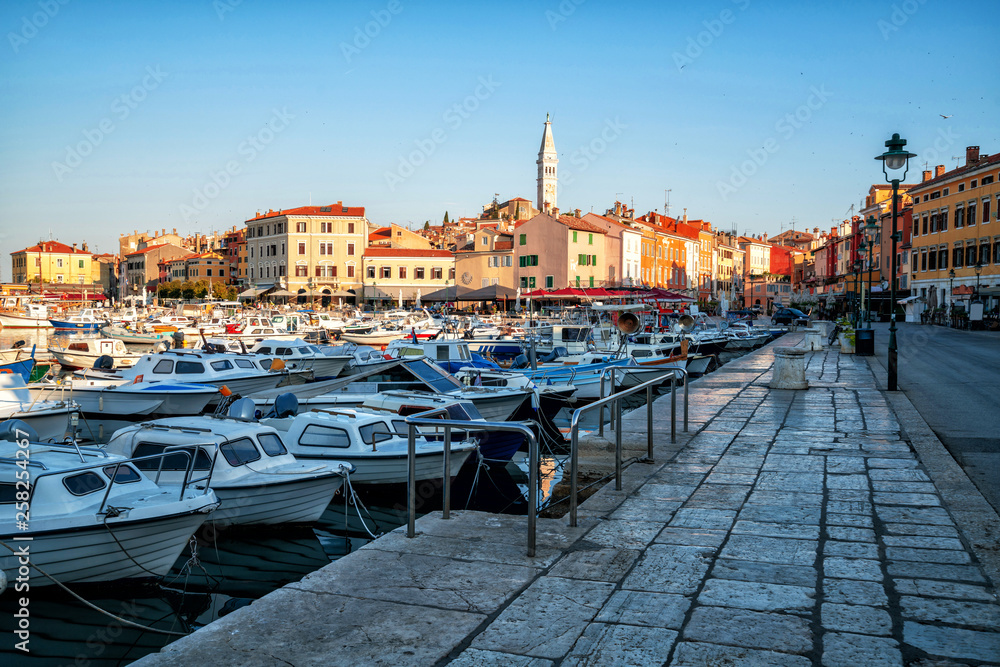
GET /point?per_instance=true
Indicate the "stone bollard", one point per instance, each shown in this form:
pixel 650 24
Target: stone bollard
pixel 814 339
pixel 789 368
pixel 825 327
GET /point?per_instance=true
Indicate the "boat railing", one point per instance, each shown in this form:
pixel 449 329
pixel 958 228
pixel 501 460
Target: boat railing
pixel 613 371
pixel 614 400
pixel 426 419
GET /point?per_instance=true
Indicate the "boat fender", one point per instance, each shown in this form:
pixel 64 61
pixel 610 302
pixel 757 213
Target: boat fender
pixel 138 379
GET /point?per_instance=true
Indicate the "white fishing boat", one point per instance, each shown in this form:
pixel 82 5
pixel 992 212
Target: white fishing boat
pixel 253 474
pixel 86 320
pixel 94 516
pixel 375 444
pixel 83 353
pixel 30 316
pixel 242 374
pixel 48 419
pixel 380 337
pixel 298 354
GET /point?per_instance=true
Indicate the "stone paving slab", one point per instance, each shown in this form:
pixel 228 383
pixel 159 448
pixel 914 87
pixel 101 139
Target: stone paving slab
pixel 818 527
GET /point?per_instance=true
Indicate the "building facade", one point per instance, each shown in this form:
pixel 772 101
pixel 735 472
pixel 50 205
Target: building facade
pixel 487 260
pixel 556 251
pixel 394 274
pixel 52 262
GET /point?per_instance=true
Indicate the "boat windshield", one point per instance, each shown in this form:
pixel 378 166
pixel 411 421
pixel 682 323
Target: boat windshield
pixel 433 376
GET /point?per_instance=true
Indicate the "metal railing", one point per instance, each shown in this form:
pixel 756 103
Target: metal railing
pixel 613 372
pixel 425 419
pixel 615 401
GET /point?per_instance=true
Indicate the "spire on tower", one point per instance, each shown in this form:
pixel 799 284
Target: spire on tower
pixel 547 162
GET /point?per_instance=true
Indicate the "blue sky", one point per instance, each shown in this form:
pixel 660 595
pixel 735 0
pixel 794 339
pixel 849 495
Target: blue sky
pixel 195 115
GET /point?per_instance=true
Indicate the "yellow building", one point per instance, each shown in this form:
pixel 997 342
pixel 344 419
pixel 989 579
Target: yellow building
pixel 53 262
pixel 486 260
pixel 393 272
pixel 956 228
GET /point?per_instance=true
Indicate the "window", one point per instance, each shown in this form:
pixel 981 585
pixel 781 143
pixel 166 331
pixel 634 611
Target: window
pixel 970 216
pixel 164 366
pixel 302 247
pixel 524 283
pixel 371 272
pixel 350 270
pixel 523 239
pixel 240 451
pixel 956 257
pixel 350 228
pixel 300 227
pixel 324 436
pixel 590 241
pixel 984 252
pixel 996 250
pixel 326 248
pixel 437 273
pixel 271 444
pixel 508 260
pixel 325 228
pixel 244 363
pixel 485 241
pixel 932 260
pixel 124 475
pixel 385 272
pixel 925 225
pixel 350 249
pixel 986 209
pixel 574 237
pixel 591 281
pixel 531 282
pixel 222 365
pixel 80 264
pixel 402 273
pixel 549 282
pixel 987 180
pixel 418 273
pixel 961 187
pixel 578 281
pixel 326 271
pixel 942 257
pixel 970 255
pixel 973 184
pixel 189 367
pixel 301 271
pixel 84 483
pixel 923 260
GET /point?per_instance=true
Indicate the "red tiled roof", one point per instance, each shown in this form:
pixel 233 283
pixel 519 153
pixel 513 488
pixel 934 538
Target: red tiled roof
pixel 335 210
pixel 503 245
pixel 146 249
pixel 53 247
pixel 406 252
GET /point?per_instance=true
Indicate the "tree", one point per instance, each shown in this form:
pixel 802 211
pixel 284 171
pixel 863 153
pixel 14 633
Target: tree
pixel 427 223
pixel 446 217
pixel 187 290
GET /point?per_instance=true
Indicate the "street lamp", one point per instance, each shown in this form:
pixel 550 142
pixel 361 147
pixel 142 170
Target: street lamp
pixel 951 296
pixel 862 247
pixel 858 265
pixel 871 231
pixel 894 159
pixel 979 269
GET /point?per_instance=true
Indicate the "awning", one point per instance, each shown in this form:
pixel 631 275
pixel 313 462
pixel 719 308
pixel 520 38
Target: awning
pixel 80 296
pixel 488 293
pixel 255 291
pixel 283 292
pixel 450 293
pixel 910 299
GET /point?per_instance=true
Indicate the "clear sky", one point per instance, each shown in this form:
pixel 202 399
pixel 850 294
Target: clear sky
pixel 196 114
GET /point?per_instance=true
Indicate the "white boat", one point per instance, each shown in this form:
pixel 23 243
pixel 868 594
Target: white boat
pixel 379 337
pixel 94 517
pixel 85 320
pixel 376 445
pixel 253 474
pixel 49 419
pixel 242 374
pixel 83 353
pixel 33 316
pixel 364 359
pixel 298 354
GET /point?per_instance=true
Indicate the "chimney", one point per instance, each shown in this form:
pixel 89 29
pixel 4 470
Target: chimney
pixel 577 212
pixel 685 215
pixel 175 230
pixel 971 155
pixel 74 247
pixel 815 231
pixel 555 211
pixel 85 246
pixel 765 237
pixel 927 175
pixel 939 170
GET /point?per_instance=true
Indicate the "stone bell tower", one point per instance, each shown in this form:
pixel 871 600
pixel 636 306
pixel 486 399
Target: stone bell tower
pixel 547 162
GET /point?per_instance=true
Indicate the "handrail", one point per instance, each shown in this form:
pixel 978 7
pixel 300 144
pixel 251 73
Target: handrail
pixel 615 400
pixel 423 419
pixel 613 370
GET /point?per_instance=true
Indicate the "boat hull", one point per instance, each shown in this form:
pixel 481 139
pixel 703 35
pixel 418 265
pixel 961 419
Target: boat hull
pixel 391 468
pixel 301 500
pixel 75 326
pixel 120 550
pixel 22 322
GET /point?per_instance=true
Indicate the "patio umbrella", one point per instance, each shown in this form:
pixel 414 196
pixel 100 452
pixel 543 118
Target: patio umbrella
pixel 401 297
pixel 418 298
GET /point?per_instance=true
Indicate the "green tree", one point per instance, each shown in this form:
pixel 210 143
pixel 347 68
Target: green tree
pixel 187 290
pixel 427 224
pixel 446 217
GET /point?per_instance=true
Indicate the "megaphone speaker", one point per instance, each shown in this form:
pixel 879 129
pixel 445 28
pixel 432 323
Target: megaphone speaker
pixel 628 323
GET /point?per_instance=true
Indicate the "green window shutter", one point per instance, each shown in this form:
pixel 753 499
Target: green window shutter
pixel 578 281
pixel 591 281
pixel 591 239
pixel 531 282
pixel 574 237
pixel 594 262
pixel 520 260
pixel 523 239
pixel 548 281
pixel 580 260
pixel 534 260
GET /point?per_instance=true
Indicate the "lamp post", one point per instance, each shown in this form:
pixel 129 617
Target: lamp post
pixel 951 297
pixel 871 231
pixel 894 159
pixel 979 269
pixel 862 247
pixel 857 266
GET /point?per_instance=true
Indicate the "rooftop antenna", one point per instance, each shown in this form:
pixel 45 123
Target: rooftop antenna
pixel 956 159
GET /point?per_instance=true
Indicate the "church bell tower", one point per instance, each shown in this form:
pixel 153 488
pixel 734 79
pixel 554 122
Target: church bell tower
pixel 547 162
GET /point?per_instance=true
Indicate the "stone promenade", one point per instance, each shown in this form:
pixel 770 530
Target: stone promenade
pixel 817 527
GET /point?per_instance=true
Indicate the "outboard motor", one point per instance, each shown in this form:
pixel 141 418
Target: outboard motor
pixel 520 361
pixel 243 408
pixel 104 363
pixel 285 405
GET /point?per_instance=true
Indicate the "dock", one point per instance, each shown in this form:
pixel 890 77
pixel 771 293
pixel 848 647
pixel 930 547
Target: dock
pixel 826 526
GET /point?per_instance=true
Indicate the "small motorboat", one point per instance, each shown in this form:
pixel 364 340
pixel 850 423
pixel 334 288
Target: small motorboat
pixel 94 516
pixel 298 354
pixel 85 320
pixel 84 353
pixel 253 474
pixel 48 419
pixel 33 316
pixel 375 444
